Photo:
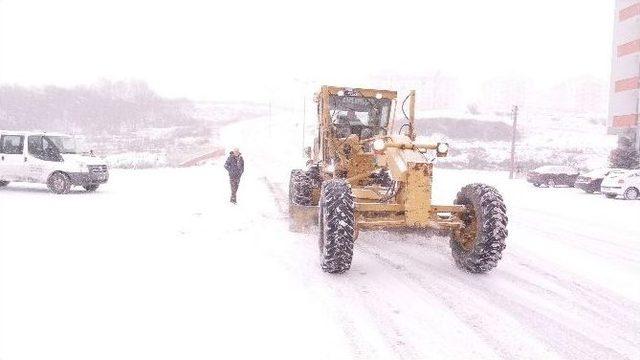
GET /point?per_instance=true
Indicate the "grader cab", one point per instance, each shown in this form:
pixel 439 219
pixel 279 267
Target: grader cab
pixel 365 173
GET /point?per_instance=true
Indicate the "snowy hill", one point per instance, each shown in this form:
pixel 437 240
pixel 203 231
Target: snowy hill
pixel 484 141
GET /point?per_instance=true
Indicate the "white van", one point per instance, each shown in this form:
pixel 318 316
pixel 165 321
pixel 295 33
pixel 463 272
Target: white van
pixel 48 158
pixel 621 182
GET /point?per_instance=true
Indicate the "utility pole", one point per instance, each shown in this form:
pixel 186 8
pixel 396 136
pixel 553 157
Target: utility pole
pixel 513 141
pixel 304 118
pixel 269 117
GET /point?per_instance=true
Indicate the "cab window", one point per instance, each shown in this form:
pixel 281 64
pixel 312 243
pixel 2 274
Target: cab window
pixel 12 144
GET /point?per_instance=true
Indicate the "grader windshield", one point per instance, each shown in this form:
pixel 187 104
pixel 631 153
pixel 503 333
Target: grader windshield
pixel 362 116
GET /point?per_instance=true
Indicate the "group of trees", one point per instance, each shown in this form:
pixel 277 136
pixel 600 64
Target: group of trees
pixel 105 108
pixel 625 156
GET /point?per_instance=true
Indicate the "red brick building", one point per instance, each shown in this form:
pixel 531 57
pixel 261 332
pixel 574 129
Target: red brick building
pixel 624 104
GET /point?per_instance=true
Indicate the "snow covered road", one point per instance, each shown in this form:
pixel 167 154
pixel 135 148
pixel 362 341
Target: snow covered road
pixel 157 265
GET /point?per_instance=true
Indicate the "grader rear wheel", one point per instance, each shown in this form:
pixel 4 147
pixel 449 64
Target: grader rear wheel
pixel 300 188
pixel 337 226
pixel 478 246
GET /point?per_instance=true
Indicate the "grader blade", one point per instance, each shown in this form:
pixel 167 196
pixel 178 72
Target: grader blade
pixel 302 218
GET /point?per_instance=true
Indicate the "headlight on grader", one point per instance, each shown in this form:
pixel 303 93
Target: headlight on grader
pixel 442 149
pixel 378 145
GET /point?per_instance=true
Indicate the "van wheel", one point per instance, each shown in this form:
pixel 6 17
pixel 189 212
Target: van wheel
pixel 59 183
pixel 3 183
pixel 91 188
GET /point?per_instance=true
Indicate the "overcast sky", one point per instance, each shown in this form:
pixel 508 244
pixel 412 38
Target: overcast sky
pixel 244 49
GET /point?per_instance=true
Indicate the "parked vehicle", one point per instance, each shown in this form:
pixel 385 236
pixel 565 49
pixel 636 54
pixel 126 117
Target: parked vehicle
pixel 621 182
pixel 553 175
pixel 47 158
pixel 591 181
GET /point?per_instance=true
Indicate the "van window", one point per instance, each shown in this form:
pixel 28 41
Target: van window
pixel 34 145
pixel 43 148
pixel 12 144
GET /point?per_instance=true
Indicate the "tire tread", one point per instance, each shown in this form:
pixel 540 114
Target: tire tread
pixel 492 221
pixel 337 226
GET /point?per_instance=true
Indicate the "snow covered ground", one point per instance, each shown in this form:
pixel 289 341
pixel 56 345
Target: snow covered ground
pixel 157 265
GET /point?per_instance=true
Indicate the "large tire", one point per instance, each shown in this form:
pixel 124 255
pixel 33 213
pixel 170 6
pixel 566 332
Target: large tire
pixel 300 188
pixel 337 226
pixel 611 196
pixel 59 183
pixel 3 183
pixel 91 188
pixel 478 247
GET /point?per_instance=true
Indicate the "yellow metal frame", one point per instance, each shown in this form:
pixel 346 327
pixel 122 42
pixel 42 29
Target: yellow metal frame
pixel 410 203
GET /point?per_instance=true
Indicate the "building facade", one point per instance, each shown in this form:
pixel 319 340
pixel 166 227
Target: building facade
pixel 625 72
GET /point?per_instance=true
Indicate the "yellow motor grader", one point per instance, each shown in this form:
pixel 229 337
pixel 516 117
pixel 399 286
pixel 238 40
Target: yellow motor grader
pixel 363 175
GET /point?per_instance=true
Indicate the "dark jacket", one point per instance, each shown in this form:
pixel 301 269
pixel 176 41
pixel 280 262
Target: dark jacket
pixel 234 165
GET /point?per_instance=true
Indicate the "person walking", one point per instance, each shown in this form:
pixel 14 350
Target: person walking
pixel 235 167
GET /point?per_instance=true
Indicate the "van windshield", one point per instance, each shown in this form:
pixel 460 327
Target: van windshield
pixel 65 144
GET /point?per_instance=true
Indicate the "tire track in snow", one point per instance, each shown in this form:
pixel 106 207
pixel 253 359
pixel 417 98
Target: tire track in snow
pixel 385 323
pixel 554 334
pixel 595 295
pixel 278 195
pixel 603 304
pixel 588 243
pixel 392 334
pixel 448 299
pixel 337 312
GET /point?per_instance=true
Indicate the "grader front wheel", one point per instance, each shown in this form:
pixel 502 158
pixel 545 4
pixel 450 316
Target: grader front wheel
pixel 478 246
pixel 337 226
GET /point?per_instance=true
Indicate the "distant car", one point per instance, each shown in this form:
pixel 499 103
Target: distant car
pixel 621 182
pixel 591 181
pixel 553 175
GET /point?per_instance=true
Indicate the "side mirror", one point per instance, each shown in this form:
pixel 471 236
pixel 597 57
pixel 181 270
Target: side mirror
pixel 404 130
pixel 307 151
